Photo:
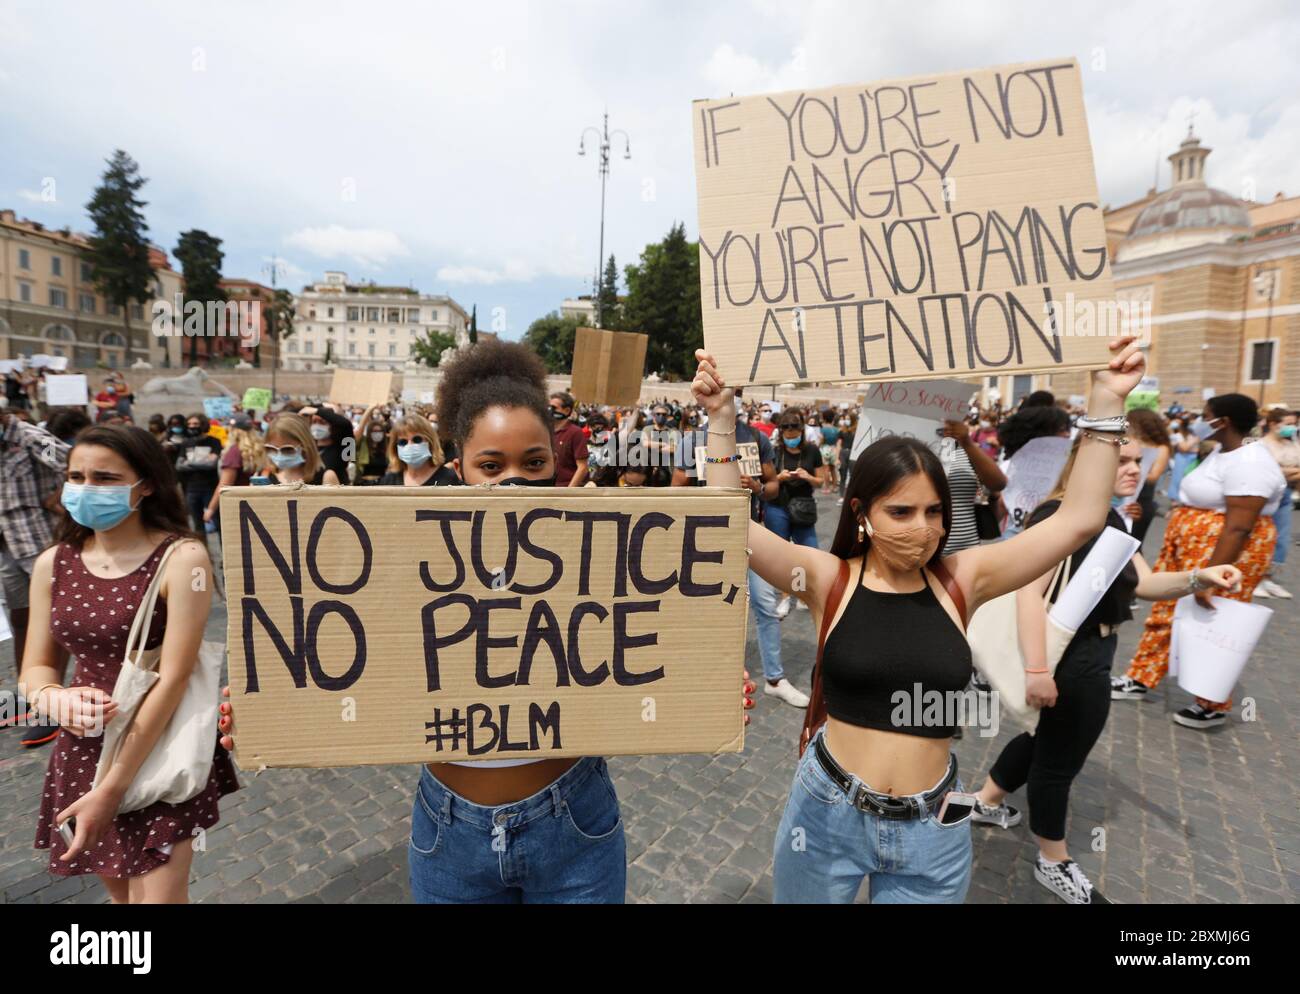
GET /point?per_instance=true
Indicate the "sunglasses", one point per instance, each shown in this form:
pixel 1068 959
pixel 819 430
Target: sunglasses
pixel 282 450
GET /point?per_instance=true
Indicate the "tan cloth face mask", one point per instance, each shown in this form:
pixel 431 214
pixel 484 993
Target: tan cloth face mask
pixel 907 548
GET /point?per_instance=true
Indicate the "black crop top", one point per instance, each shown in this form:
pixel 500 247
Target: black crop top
pixel 887 644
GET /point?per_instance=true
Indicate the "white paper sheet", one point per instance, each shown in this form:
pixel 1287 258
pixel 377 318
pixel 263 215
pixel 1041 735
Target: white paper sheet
pixel 67 391
pixel 1209 649
pixel 1093 578
pixel 1031 474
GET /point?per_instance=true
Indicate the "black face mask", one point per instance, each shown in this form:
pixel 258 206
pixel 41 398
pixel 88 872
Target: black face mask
pixel 193 432
pixel 519 481
pixel 558 415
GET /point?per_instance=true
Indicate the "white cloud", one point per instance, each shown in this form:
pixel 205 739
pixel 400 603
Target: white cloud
pixel 32 196
pixel 369 247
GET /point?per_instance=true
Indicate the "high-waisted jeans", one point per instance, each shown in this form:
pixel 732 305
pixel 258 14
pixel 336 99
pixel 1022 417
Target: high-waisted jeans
pixel 825 846
pixel 562 845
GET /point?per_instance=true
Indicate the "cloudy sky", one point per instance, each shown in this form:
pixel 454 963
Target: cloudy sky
pixel 435 144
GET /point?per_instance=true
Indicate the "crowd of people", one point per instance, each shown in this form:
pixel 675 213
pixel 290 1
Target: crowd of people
pixel 91 504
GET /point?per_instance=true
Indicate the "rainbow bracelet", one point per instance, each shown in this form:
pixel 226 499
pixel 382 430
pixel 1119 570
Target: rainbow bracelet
pixel 735 457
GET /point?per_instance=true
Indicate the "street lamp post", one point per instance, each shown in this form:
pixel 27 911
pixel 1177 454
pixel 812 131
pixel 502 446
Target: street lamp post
pixel 1264 284
pixel 274 269
pixel 603 134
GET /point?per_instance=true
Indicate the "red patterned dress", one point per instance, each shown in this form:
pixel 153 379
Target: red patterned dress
pixel 90 617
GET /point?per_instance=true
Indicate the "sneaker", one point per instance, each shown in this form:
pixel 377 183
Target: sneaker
pixel 1067 881
pixel 788 692
pixel 1124 688
pixel 783 608
pixel 1270 589
pixel 1199 717
pixel 39 735
pixel 1002 815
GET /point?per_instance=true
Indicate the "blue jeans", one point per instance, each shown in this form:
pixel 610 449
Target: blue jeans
pixel 1282 518
pixel 778 520
pixel 825 846
pixel 763 598
pixel 563 845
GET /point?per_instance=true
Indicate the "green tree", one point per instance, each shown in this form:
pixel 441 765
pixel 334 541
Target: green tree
pixel 201 257
pixel 429 349
pixel 552 337
pixel 277 325
pixel 663 301
pixel 473 325
pixel 119 248
pixel 607 305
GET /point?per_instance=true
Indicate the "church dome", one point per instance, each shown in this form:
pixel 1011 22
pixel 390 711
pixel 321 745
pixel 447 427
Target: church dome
pixel 1190 207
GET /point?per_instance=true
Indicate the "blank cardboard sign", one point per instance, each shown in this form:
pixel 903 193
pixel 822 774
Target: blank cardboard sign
pixel 607 366
pixel 366 387
pixel 906 229
pixel 416 624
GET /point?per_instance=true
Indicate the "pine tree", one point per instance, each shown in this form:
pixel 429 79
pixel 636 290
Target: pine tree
pixel 200 257
pixel 119 248
pixel 608 311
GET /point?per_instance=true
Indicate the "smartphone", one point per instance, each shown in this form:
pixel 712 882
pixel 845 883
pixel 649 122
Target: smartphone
pixel 68 830
pixel 956 807
pixel 259 481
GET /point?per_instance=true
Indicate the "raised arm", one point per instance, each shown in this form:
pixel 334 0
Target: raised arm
pixel 989 571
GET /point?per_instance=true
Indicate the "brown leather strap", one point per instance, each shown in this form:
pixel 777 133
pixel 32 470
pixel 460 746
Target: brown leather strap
pixel 815 716
pixel 954 589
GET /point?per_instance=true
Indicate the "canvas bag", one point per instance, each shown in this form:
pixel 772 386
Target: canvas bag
pixel 994 636
pixel 180 764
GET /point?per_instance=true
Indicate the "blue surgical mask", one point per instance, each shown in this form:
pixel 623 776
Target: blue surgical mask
pixel 792 443
pixel 414 453
pixel 1202 429
pixel 98 508
pixel 1287 431
pixel 287 461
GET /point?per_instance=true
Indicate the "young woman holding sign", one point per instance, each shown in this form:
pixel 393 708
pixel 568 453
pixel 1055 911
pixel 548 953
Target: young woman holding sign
pixel 124 513
pixel 1076 698
pixel 510 831
pixel 874 792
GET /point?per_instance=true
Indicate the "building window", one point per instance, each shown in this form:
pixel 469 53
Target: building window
pixel 306 348
pixel 86 303
pixel 24 259
pixel 87 274
pixel 352 348
pixel 137 312
pixel 372 314
pixel 24 292
pixel 58 298
pixel 56 265
pixel 392 349
pixel 330 312
pixel 112 309
pixel 372 331
pixel 1263 357
pixel 372 350
pixel 394 315
pixel 354 313
pixel 433 314
pixel 1020 387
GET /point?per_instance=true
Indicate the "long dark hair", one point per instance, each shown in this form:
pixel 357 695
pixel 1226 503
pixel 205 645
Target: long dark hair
pixel 878 470
pixel 162 510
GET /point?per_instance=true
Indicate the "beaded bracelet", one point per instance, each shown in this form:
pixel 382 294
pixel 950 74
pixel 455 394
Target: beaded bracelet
pixel 1106 437
pixel 734 457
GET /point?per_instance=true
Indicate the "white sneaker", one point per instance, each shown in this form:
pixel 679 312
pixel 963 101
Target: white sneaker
pixel 1270 589
pixel 787 691
pixel 783 608
pixel 1067 881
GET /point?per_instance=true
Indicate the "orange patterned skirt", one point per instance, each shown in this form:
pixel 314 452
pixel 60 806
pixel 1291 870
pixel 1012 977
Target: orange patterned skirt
pixel 1190 537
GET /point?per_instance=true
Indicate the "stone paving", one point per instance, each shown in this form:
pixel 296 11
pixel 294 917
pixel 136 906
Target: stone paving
pixel 1187 816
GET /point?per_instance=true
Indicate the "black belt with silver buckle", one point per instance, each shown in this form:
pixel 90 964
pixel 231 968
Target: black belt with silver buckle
pixel 884 805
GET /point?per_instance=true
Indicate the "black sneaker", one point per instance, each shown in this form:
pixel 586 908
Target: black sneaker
pixel 1123 688
pixel 1004 815
pixel 39 735
pixel 1067 881
pixel 1199 717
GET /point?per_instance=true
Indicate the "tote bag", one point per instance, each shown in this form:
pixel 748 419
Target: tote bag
pixel 180 763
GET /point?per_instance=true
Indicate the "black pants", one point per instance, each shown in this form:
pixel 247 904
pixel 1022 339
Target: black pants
pixel 1146 499
pixel 1050 758
pixel 197 501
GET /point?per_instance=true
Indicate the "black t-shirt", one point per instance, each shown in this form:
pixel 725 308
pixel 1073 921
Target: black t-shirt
pixel 808 456
pixel 1113 608
pixel 198 461
pixel 445 476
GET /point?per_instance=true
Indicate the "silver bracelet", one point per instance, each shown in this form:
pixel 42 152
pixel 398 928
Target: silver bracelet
pixel 1195 584
pixel 1117 424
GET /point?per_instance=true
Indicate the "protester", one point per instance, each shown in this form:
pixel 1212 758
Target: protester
pixel 871 795
pixel 1075 701
pixel 848 432
pixel 333 434
pixel 291 450
pixel 243 458
pixel 158 428
pixel 372 443
pixel 32 464
pixel 66 424
pixel 570 443
pixel 1151 432
pixel 198 459
pixel 124 512
pixel 1183 443
pixel 1280 439
pixel 415 456
pixel 792 513
pixel 1224 518
pixel 830 450
pixel 968 468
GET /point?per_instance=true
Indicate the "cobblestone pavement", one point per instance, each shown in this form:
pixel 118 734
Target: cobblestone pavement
pixel 1187 816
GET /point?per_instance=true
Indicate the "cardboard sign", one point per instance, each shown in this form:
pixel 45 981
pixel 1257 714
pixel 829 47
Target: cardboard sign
pixel 750 463
pixel 11 366
pixel 219 408
pixel 422 624
pixel 1031 474
pixel 607 366
pixel 914 228
pixel 42 361
pixel 365 387
pixel 912 408
pixel 256 399
pixel 69 390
